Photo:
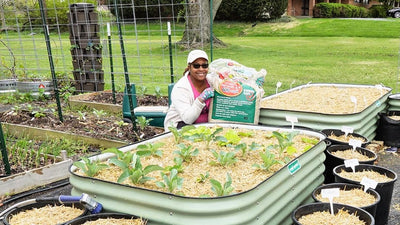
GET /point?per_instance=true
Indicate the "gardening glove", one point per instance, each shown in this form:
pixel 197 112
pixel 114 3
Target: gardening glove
pixel 260 81
pixel 206 94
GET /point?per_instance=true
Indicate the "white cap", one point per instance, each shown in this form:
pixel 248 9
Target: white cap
pixel 195 54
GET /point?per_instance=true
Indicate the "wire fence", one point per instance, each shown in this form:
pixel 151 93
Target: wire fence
pixel 80 44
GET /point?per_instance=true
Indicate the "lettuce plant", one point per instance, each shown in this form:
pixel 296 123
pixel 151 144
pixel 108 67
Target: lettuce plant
pixel 224 158
pixel 186 152
pixel 268 160
pixel 171 182
pixel 150 149
pixel 222 190
pixel 90 167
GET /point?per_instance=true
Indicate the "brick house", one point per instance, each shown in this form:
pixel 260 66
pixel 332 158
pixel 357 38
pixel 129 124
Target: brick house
pixel 305 7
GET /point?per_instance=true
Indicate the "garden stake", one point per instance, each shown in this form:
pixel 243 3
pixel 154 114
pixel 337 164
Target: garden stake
pixel 127 82
pixel 111 62
pixel 53 74
pixel 4 151
pixel 171 67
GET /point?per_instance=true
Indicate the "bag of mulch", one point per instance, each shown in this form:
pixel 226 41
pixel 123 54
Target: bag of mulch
pixel 238 92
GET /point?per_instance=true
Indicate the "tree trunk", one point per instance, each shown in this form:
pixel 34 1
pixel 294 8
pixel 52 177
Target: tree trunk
pixel 197 31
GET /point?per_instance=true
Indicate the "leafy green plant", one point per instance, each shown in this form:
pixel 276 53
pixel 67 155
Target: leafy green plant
pixel 224 158
pixel 142 90
pixel 143 122
pixel 203 133
pixel 81 115
pixel 171 182
pixel 177 166
pixel 222 190
pixel 39 113
pixel 157 92
pixel 186 152
pixel 132 168
pixel 268 160
pixel 203 177
pixel 90 167
pixel 180 134
pixel 231 137
pixel 99 113
pixel 285 141
pixel 150 149
pixel 125 157
pixel 244 148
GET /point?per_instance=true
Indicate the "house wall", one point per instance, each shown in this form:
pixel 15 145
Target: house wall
pixel 295 7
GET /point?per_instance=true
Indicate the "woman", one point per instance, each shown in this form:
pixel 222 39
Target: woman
pixel 190 97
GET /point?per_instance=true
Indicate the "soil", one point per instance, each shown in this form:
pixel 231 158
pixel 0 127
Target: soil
pixel 43 114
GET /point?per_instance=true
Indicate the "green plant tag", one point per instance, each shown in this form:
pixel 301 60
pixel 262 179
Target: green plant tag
pixel 294 166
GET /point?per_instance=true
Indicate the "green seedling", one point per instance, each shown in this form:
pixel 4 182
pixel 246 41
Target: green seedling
pixel 285 141
pixel 142 122
pixel 157 92
pixel 179 135
pixel 134 170
pixel 177 166
pixel 186 152
pixel 150 149
pixel 244 148
pixel 142 90
pixel 81 116
pixel 125 157
pixel 224 158
pixel 310 141
pixel 220 190
pixel 203 133
pixel 268 160
pixel 231 137
pixel 171 182
pixel 202 178
pixel 90 167
pixel 99 113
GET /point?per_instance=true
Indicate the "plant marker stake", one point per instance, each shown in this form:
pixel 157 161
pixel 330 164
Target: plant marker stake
pixel 278 85
pixel 354 100
pixel 347 130
pixel 352 163
pixel 127 82
pixel 53 74
pixel 355 143
pixel 4 151
pixel 380 88
pixel 330 193
pixel 171 67
pixel 111 62
pixel 368 183
pixel 292 120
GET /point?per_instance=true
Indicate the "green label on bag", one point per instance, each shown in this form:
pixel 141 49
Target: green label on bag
pixel 294 166
pixel 240 108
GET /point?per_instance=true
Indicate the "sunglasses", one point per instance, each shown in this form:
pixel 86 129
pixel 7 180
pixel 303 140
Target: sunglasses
pixel 196 66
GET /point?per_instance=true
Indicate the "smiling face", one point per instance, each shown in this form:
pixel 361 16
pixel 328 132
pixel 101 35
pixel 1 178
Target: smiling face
pixel 199 73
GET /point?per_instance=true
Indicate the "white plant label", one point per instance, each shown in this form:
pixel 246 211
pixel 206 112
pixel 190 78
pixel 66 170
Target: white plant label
pixel 354 100
pixel 292 120
pixel 347 130
pixel 352 163
pixel 108 29
pixel 278 85
pixel 368 183
pixel 355 143
pixel 330 193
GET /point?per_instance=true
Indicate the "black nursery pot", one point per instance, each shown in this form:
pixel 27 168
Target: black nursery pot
pixel 345 186
pixel 17 210
pixel 388 129
pixel 339 133
pixel 94 217
pixel 384 189
pixel 332 161
pixel 319 206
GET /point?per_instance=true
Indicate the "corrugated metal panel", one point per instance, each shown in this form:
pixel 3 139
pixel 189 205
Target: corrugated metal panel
pixel 363 123
pixel 271 202
pixel 394 102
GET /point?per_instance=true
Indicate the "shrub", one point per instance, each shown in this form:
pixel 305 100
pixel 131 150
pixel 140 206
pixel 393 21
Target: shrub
pixel 377 11
pixel 335 10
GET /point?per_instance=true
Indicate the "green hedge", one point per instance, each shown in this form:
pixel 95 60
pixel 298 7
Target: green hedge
pixel 378 11
pixel 337 10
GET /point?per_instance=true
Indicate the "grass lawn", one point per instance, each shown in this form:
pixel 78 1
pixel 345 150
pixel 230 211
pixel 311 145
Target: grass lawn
pixel 304 50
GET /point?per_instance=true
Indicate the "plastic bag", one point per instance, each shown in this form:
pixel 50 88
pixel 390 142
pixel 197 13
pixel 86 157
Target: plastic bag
pixel 226 69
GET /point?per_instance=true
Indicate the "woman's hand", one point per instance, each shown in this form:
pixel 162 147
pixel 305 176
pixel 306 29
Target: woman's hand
pixel 206 94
